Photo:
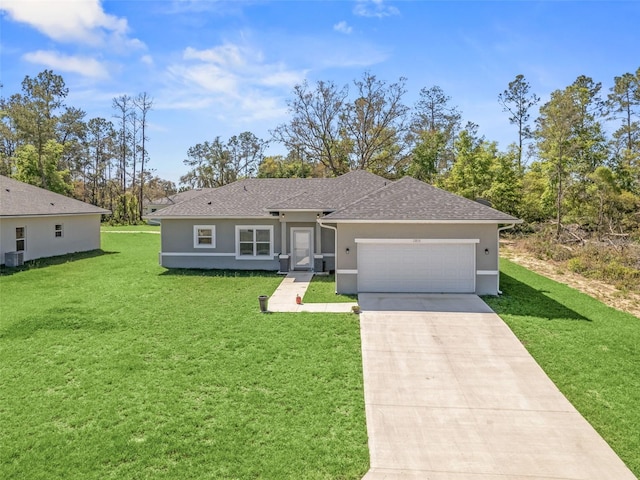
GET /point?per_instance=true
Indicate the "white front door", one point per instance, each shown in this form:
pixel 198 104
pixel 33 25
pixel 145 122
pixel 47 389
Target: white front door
pixel 302 248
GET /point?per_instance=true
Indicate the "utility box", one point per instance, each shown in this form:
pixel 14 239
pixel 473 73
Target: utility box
pixel 318 264
pixel 13 259
pixel 284 263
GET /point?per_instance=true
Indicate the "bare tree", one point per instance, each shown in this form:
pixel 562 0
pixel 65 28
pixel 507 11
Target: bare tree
pixel 516 100
pixel 123 106
pixel 376 125
pixel 314 132
pixel 144 103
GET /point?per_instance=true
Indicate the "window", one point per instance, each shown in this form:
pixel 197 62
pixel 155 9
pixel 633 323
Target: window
pixel 20 239
pixel 204 236
pixel 58 230
pixel 254 241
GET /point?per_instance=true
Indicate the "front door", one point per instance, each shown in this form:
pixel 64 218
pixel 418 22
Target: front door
pixel 302 248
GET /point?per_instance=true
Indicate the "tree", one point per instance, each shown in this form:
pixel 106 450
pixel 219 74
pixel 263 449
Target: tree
pixel 123 106
pixel 505 192
pixel 144 103
pixel 516 100
pixel 40 168
pixel 34 114
pixel 434 126
pixel 101 139
pixel 280 167
pixel 315 132
pixel 555 140
pixel 246 151
pixel 470 175
pixel 209 162
pixel 375 125
pixel 624 103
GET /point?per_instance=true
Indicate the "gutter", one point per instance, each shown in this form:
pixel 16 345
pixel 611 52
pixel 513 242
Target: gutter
pixel 506 227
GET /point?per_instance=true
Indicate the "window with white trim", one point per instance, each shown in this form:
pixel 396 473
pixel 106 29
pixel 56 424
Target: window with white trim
pixel 254 241
pixel 204 236
pixel 20 239
pixel 57 231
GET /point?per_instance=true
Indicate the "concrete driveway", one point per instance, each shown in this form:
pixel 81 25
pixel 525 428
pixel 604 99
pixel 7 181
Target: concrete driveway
pixel 451 394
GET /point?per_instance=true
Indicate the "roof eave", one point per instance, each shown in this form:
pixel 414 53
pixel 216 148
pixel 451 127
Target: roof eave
pixel 59 214
pixel 449 221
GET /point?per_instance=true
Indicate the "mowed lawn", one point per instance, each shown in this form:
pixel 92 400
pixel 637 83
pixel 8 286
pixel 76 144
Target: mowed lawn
pixel 115 368
pixel 590 351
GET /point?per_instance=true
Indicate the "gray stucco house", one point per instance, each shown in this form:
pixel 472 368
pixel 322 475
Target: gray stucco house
pixel 37 223
pixel 377 235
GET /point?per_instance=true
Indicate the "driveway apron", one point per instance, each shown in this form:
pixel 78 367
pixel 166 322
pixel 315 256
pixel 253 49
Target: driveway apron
pixel 452 394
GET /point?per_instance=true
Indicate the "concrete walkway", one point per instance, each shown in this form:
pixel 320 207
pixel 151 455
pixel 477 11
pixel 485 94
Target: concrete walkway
pixel 450 393
pixel 296 283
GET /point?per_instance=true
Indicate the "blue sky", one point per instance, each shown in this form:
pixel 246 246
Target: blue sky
pixel 218 68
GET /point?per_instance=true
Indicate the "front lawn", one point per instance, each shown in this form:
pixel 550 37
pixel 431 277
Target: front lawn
pixel 591 352
pixel 115 368
pixel 322 289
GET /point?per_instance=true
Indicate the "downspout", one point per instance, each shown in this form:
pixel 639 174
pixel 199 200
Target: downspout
pixel 335 247
pixel 506 227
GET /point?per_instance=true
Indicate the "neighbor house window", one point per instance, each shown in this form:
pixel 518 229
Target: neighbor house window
pixel 58 230
pixel 20 239
pixel 254 241
pixel 204 236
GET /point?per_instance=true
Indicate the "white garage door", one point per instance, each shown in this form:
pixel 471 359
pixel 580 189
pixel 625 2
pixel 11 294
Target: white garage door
pixel 416 267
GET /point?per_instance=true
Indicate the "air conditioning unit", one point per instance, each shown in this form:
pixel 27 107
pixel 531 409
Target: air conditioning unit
pixel 13 259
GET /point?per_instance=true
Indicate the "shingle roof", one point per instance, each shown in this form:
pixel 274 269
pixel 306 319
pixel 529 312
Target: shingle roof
pixel 179 197
pixel 333 193
pixel 18 199
pixel 357 195
pixel 256 197
pixel 411 199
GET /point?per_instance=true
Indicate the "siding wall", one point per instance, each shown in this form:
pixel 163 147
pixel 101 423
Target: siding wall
pixel 178 251
pixel 80 233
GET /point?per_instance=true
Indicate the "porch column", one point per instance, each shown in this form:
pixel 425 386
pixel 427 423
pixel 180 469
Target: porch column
pixel 283 236
pixel 318 245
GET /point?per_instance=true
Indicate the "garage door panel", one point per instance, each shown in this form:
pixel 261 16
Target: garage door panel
pixel 436 268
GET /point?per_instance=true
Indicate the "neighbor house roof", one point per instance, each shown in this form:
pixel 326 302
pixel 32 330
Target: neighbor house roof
pixel 410 199
pixel 354 196
pixel 18 199
pixel 178 197
pixel 257 197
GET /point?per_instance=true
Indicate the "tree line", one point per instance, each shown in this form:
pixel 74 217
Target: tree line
pixel 577 161
pixel 574 159
pixel 46 143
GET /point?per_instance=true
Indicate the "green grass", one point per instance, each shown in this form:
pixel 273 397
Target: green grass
pixel 143 227
pixel 322 289
pixel 591 352
pixel 115 368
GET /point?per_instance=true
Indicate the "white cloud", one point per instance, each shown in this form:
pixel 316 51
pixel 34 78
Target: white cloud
pixel 147 60
pixel 374 8
pixel 227 55
pixel 82 21
pixel 342 27
pixel 85 66
pixel 232 80
pixel 232 69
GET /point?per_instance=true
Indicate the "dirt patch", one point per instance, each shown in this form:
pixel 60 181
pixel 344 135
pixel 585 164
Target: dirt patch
pixel 608 294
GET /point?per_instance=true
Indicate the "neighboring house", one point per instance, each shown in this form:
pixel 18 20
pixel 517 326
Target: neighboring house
pixel 152 206
pixel 378 235
pixel 40 223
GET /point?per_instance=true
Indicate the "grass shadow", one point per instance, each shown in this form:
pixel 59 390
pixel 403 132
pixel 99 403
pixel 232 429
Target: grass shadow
pixel 50 261
pixel 521 299
pixel 195 272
